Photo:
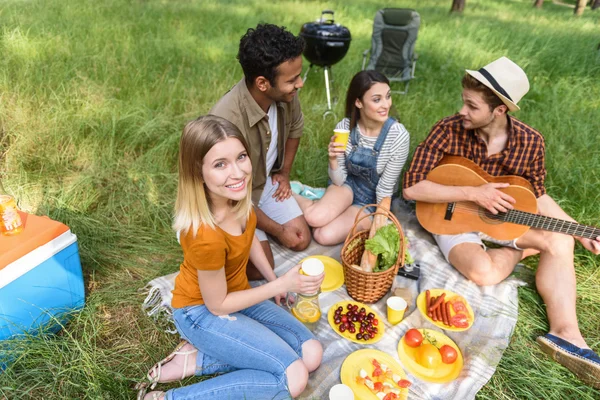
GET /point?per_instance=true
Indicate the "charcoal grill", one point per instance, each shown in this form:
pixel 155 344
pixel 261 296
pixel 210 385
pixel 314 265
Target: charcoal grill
pixel 326 44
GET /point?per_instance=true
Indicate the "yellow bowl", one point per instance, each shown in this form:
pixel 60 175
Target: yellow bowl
pixel 422 299
pixel 443 373
pixel 352 336
pixel 361 359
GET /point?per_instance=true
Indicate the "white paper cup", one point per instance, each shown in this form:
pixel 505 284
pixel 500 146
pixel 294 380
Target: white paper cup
pixel 341 392
pixel 312 267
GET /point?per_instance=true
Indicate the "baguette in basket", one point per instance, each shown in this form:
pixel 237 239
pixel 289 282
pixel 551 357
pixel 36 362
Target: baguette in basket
pixel 369 287
pixel 369 259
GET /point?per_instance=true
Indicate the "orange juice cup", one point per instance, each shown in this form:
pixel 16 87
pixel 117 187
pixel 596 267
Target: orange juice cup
pixel 395 309
pixel 341 136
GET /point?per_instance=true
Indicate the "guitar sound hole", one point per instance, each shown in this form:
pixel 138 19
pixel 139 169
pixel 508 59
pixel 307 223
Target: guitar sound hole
pixel 492 219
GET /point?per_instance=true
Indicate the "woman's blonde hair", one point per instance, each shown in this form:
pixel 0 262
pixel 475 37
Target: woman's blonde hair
pixel 193 205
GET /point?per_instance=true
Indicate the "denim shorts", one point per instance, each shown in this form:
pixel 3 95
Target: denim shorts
pixel 251 348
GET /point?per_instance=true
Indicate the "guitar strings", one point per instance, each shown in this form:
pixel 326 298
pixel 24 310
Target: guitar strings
pixel 530 219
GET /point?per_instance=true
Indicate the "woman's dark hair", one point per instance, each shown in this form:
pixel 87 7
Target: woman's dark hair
pixel 359 85
pixel 265 48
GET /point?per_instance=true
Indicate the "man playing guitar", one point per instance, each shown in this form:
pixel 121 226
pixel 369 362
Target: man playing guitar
pixel 500 144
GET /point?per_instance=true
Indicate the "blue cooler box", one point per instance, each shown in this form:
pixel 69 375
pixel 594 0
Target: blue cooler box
pixel 41 281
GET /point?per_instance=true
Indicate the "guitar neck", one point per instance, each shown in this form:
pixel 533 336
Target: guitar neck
pixel 551 224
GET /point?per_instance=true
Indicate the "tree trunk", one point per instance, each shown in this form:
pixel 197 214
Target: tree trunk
pixel 458 6
pixel 595 4
pixel 579 7
pixel 538 3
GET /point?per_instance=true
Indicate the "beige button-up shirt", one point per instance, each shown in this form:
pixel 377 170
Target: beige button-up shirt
pixel 238 107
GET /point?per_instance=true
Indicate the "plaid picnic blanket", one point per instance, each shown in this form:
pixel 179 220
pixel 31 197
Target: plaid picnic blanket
pixel 482 345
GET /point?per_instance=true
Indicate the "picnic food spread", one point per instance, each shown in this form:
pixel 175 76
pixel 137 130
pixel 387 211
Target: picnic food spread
pixel 446 309
pixel 373 374
pixel 356 322
pixel 430 355
pixel 427 354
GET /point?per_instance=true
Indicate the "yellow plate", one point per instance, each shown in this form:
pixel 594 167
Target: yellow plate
pixel 362 359
pixel 444 373
pixel 352 336
pixel 422 299
pixel 334 273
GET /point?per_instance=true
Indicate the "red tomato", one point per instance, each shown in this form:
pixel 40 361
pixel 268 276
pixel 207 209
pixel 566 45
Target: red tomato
pixel 458 306
pixel 404 383
pixel 413 338
pixel 378 386
pixel 459 321
pixel 448 353
pixel 377 371
pixel 390 396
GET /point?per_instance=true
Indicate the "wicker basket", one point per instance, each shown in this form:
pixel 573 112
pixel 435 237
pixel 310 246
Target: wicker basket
pixel 368 287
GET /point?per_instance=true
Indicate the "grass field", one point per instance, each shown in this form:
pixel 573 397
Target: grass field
pixel 93 97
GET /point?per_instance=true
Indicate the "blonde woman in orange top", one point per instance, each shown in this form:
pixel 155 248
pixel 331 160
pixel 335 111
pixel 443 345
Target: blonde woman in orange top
pixel 260 350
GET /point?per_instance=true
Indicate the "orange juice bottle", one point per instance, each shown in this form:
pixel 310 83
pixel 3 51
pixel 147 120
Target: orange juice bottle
pixel 10 220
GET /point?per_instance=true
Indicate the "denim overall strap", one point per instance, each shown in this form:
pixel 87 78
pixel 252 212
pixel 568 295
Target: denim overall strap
pixel 361 165
pixel 383 134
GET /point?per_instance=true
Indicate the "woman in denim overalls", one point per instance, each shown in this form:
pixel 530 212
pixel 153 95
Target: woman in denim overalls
pixel 364 170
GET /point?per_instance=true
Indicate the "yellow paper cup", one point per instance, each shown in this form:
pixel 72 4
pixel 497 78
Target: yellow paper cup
pixel 312 267
pixel 342 136
pixel 395 309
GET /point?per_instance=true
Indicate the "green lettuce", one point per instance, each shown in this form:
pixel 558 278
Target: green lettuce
pixel 385 244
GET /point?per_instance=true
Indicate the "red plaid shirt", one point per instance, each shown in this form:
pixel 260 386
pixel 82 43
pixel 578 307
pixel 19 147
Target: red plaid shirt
pixel 523 156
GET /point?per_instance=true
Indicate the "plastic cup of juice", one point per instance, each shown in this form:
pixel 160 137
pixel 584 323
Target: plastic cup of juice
pixel 342 136
pixel 395 309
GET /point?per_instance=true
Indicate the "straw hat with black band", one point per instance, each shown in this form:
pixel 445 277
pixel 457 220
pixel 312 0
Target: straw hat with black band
pixel 506 79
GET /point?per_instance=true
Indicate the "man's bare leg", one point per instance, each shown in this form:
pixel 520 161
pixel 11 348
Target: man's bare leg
pixel 556 283
pixel 484 267
pixel 299 231
pixel 555 276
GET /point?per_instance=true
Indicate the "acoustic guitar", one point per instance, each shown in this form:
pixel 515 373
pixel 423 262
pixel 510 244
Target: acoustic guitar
pixel 465 216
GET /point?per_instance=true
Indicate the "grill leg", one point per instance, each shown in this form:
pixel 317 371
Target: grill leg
pixel 306 73
pixel 329 111
pixel 326 70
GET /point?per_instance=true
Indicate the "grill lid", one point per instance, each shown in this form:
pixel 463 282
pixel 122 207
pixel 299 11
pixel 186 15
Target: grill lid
pixel 325 28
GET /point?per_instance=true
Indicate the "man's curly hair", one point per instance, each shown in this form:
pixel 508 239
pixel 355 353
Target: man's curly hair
pixel 263 49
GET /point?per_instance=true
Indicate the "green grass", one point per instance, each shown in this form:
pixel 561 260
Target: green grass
pixel 93 97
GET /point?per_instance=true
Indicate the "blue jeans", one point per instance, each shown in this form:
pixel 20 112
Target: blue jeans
pixel 252 348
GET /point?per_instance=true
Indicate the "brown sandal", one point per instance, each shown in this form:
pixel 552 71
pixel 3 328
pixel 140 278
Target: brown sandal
pixel 153 374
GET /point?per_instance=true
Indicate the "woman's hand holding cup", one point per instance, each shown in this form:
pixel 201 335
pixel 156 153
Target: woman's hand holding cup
pixel 299 283
pixel 338 142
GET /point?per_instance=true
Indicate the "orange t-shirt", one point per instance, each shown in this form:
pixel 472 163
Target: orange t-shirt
pixel 211 250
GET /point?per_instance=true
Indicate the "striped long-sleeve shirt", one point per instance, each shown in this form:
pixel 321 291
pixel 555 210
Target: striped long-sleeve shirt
pixel 390 162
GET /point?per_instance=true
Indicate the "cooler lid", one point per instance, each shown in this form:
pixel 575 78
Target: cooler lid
pixel 37 231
